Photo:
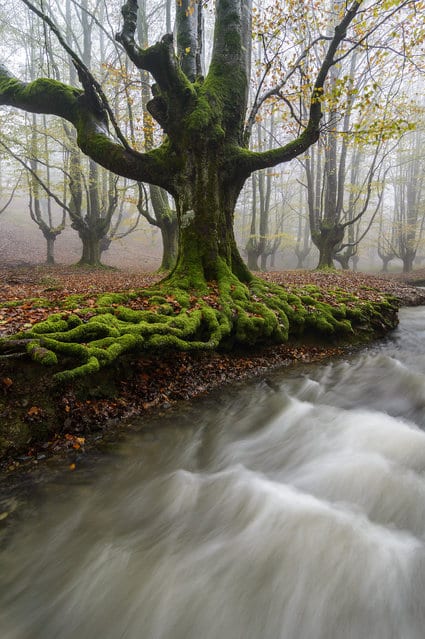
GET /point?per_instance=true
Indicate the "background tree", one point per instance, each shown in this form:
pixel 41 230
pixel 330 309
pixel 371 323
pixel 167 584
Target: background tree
pixel 408 183
pixel 343 170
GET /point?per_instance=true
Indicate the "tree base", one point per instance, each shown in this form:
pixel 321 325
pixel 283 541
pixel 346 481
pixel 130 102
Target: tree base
pixel 175 315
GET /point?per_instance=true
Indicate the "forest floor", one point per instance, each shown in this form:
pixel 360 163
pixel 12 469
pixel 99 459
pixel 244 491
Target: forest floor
pixel 155 383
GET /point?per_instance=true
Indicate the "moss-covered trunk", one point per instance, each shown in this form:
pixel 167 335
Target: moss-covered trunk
pixel 205 209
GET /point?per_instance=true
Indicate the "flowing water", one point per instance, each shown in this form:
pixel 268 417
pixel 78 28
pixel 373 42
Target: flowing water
pixel 289 508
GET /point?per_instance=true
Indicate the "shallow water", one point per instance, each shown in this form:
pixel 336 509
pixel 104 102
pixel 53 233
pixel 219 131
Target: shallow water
pixel 289 508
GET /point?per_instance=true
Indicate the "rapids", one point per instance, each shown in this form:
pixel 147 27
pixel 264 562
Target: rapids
pixel 289 508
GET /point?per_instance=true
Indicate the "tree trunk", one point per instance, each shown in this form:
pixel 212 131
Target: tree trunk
pixel 385 261
pixel 343 261
pixel 205 210
pixel 104 244
pixel 326 240
pixel 169 234
pixel 166 221
pixel 408 262
pixel 91 250
pixel 253 261
pixel 50 249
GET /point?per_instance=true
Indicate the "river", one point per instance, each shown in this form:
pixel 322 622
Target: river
pixel 292 507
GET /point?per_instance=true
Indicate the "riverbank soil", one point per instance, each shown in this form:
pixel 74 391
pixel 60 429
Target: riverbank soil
pixel 39 419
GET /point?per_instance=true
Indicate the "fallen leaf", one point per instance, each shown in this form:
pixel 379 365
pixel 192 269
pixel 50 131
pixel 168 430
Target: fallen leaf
pixel 34 410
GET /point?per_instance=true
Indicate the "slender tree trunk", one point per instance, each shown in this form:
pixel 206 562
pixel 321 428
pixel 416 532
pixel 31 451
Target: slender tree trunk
pixel 166 221
pixel 344 260
pixel 252 244
pixel 169 234
pixel 252 257
pixel 50 249
pixel 385 261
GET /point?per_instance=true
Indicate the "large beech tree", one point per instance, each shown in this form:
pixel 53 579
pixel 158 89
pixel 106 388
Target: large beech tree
pixel 203 162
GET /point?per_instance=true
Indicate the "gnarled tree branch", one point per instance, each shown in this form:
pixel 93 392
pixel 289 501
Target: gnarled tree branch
pixel 256 161
pixel 55 98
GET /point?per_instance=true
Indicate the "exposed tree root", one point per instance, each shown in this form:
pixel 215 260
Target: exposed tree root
pixel 170 316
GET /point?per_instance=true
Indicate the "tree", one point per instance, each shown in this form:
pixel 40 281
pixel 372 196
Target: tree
pixel 203 162
pixel 44 219
pixel 164 216
pixel 386 241
pixel 343 171
pixel 4 189
pixel 409 190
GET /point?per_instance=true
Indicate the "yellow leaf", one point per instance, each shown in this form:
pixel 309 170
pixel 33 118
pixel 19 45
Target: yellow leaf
pixel 187 50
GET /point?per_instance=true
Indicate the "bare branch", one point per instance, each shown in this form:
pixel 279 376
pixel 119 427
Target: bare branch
pixel 256 161
pixel 2 210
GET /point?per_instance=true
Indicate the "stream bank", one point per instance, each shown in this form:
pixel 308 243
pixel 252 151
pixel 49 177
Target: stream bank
pixel 40 420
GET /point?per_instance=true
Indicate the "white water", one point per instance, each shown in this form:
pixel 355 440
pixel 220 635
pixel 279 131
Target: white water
pixel 293 508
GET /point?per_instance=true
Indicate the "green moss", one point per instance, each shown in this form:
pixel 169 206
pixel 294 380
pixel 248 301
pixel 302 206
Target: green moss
pixel 51 325
pixel 73 321
pixel 74 301
pixel 89 368
pixel 223 313
pixel 200 117
pixel 35 302
pixel 41 355
pixel 110 299
pixel 67 349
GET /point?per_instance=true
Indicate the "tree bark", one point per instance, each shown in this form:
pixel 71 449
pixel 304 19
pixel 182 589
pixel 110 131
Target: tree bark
pixel 408 259
pixel 91 251
pixel 326 242
pixel 169 234
pixel 50 249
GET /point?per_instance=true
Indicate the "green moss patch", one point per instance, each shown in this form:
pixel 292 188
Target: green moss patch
pixel 175 315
